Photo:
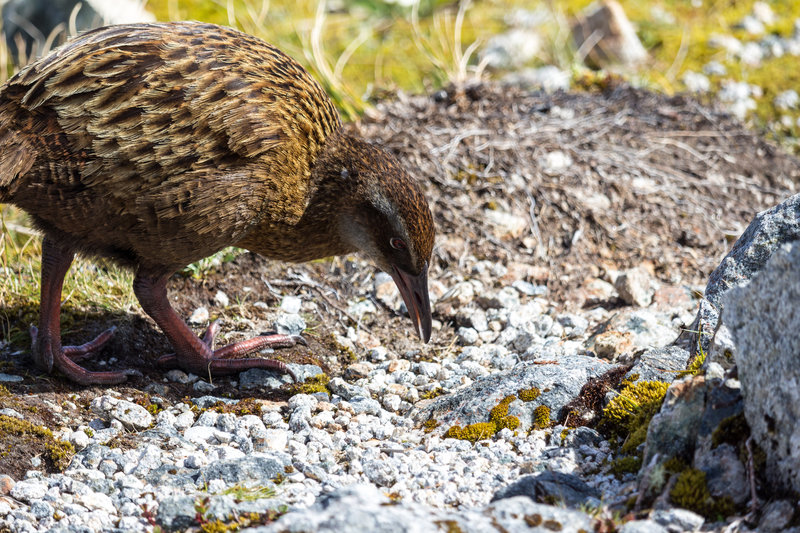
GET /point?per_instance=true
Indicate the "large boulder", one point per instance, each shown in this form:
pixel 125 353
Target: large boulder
pixel 764 319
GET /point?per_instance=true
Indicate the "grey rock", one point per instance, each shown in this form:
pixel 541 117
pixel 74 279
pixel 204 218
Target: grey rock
pixel 369 406
pixel 29 490
pixel 548 78
pixel 560 384
pixel 129 414
pixel 467 335
pixel 204 402
pixel 725 473
pixel 550 487
pixel 41 509
pixel 253 469
pixel 359 508
pixel 10 378
pixel 776 516
pixel 634 287
pixel 768 231
pixel 176 513
pixel 511 49
pixel 660 364
pixel 529 289
pixel 765 234
pixel 673 431
pixel 583 436
pixel 290 324
pixel 380 472
pixel 678 520
pixel 764 320
pixel 346 390
pixel 642 526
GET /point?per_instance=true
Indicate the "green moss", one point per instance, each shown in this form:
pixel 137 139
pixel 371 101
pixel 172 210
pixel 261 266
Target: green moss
pixel 691 492
pixel 541 417
pixel 498 419
pixel 696 364
pixel 528 395
pixel 675 465
pixel 448 526
pixel 245 406
pixel 472 432
pixel 430 424
pixel 56 452
pixel 431 394
pixel 629 464
pixel 732 430
pixel 312 385
pixel 627 416
pixel 500 411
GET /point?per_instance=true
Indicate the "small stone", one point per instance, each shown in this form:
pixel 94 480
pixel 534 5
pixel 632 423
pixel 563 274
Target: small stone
pixel 529 289
pixel 6 484
pixel 221 299
pixel 178 376
pixel 611 344
pixel 380 472
pixel 291 304
pixel 79 439
pixel 787 100
pixel 290 324
pixel 696 82
pixel 199 316
pixel 131 415
pixel 677 520
pixel 555 163
pixel 634 287
pixel 28 490
pixel 467 336
pixel 203 387
pixel 357 371
pixel 506 224
pixel 10 378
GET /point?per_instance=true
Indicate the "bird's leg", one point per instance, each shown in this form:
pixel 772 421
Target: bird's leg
pixel 197 355
pixel 46 339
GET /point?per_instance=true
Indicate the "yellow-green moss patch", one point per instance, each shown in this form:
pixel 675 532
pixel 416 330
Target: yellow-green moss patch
pixel 691 492
pixel 312 385
pixel 541 417
pixel 629 464
pixel 528 395
pixel 627 416
pixel 498 419
pixel 16 434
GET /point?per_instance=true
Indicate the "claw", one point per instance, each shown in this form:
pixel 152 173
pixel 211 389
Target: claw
pixel 299 340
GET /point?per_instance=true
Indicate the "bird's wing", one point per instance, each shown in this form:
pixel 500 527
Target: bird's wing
pixel 151 111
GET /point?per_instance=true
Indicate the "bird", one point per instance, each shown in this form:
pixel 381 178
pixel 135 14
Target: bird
pixel 158 144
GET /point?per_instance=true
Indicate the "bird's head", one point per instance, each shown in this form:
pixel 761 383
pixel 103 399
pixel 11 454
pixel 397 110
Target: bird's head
pixel 385 216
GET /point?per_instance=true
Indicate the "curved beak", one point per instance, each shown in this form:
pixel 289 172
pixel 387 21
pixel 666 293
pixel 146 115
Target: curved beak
pixel 414 290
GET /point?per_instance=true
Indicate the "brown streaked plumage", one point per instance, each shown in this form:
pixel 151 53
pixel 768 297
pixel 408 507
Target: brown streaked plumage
pixel 160 144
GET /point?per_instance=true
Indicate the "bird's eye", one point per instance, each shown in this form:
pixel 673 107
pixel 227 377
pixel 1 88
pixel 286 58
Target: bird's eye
pixel 397 244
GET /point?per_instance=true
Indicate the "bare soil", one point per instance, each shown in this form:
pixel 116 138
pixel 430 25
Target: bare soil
pixel 649 180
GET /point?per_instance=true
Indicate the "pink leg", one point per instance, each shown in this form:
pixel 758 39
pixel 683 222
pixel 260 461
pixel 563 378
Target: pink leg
pixel 46 346
pixel 197 355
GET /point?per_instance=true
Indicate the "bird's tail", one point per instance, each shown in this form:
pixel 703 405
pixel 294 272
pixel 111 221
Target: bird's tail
pixel 16 158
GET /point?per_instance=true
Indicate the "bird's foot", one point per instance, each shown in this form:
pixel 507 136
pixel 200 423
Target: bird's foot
pixel 48 354
pixel 230 359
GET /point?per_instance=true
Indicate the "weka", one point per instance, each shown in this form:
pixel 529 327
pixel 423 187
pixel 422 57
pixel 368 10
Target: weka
pixel 159 144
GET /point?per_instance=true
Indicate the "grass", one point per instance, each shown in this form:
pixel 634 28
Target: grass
pixel 90 285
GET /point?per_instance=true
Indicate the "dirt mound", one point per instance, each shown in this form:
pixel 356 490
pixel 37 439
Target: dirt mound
pixel 582 182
